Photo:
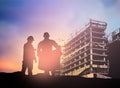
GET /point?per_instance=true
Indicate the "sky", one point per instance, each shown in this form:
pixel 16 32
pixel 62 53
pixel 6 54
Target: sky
pixel 61 18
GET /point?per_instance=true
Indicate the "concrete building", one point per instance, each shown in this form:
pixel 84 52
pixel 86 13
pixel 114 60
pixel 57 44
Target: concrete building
pixel 114 53
pixel 86 52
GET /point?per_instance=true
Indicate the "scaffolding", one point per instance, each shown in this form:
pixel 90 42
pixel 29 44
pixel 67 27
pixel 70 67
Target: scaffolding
pixel 85 53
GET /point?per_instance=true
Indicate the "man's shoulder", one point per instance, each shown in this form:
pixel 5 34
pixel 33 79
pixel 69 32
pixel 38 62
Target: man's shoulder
pixel 41 42
pixel 44 41
pixel 51 40
pixel 26 44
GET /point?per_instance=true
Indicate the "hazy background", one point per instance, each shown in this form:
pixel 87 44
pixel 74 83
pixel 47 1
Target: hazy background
pixel 21 18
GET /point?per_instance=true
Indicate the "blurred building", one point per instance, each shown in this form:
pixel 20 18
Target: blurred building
pixel 85 53
pixel 114 54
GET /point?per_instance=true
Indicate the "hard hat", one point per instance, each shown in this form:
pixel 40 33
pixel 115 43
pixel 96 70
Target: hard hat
pixel 30 38
pixel 46 34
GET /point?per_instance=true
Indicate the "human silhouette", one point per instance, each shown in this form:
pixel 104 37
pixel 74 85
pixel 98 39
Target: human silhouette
pixel 28 56
pixel 49 58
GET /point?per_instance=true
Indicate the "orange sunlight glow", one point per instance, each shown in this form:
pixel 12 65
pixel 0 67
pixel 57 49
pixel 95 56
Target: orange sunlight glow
pixel 12 61
pixel 9 66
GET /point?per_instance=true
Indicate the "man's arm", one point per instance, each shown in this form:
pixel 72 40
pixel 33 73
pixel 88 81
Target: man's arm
pixel 58 47
pixel 55 44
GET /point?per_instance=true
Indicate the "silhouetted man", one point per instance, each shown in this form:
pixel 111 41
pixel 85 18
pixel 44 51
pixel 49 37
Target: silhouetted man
pixel 48 58
pixel 28 56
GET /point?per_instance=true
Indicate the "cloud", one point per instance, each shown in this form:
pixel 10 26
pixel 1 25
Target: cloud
pixel 21 18
pixel 9 38
pixel 109 3
pixel 112 14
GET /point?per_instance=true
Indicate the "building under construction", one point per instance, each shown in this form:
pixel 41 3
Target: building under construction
pixel 114 53
pixel 85 54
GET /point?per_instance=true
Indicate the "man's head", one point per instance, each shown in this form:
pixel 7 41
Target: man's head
pixel 30 38
pixel 46 35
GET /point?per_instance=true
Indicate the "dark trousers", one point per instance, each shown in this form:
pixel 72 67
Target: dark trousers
pixel 26 66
